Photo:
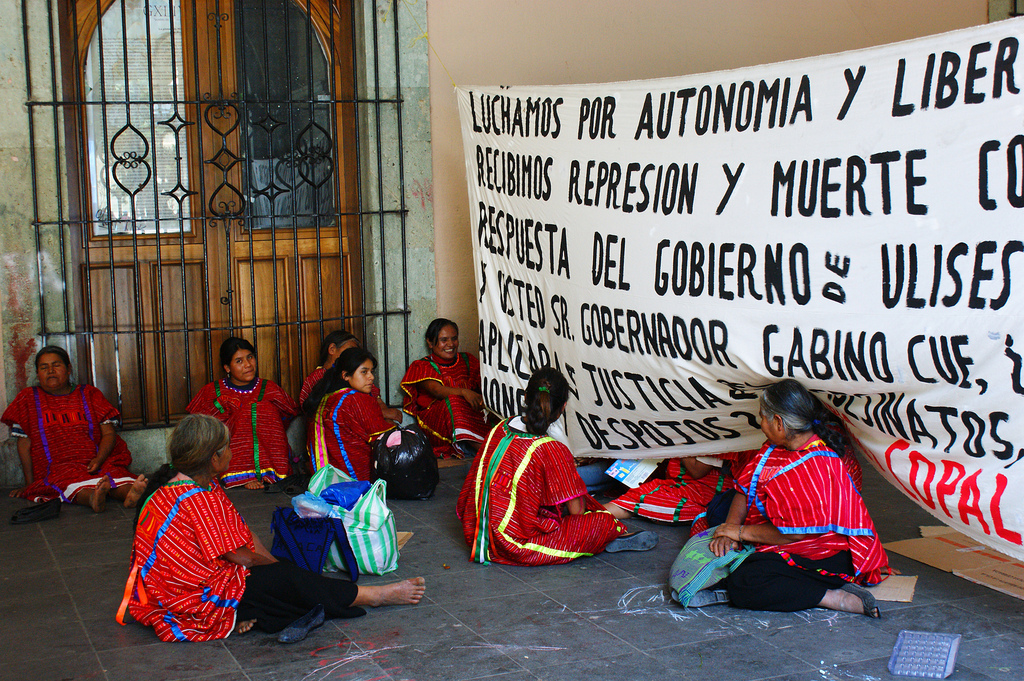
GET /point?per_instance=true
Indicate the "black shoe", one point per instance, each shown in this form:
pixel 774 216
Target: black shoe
pixel 33 514
pixel 300 628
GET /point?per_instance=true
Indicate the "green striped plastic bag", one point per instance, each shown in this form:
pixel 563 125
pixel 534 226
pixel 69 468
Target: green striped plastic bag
pixel 370 527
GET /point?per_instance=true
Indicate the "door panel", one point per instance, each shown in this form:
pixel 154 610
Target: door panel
pixel 216 207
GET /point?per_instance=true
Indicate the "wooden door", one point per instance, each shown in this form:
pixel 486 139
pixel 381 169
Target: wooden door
pixel 229 206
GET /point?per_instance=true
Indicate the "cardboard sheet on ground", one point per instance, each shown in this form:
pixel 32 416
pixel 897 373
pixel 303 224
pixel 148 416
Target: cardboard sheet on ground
pixel 403 537
pixel 964 557
pixel 896 589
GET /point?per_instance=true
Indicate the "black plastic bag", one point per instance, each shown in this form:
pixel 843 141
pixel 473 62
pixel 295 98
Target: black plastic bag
pixel 409 465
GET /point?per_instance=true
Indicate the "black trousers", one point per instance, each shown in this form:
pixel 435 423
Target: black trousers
pixel 765 581
pixel 279 593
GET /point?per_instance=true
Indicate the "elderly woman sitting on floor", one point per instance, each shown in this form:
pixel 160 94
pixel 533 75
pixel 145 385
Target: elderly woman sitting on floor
pixel 799 505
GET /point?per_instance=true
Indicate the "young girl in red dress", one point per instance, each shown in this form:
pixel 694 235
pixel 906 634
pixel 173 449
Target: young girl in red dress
pixel 345 416
pixel 333 344
pixel 255 410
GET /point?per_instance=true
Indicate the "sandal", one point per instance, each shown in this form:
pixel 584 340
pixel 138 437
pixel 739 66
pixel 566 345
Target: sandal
pixel 33 514
pixel 866 599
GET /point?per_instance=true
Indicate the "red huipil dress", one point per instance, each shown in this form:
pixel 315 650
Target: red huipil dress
pixel 257 419
pixel 65 433
pixel 812 491
pixel 182 586
pixel 509 503
pixel 346 422
pixel 314 378
pixel 678 499
pixel 450 419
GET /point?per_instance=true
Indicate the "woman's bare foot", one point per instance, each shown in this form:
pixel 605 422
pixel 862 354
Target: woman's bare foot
pixel 98 500
pixel 254 484
pixel 406 592
pixel 244 626
pixel 135 491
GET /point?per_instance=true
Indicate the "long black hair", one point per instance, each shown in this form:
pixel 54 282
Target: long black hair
pixel 332 380
pixel 336 338
pixel 434 328
pixel 546 394
pixel 231 345
pixel 802 412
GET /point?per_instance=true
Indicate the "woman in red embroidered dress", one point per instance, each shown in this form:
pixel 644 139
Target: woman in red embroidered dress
pixel 335 343
pixel 199 574
pixel 442 391
pixel 798 503
pixel 66 440
pixel 256 410
pixel 345 416
pixel 523 503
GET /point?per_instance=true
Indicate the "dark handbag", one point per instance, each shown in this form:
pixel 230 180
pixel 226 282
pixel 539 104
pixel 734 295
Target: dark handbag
pixel 33 514
pixel 307 541
pixel 718 507
pixel 405 460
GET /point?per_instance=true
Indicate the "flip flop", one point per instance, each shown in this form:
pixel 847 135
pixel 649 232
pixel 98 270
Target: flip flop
pixel 866 599
pixel 300 628
pixel 33 514
pixel 638 541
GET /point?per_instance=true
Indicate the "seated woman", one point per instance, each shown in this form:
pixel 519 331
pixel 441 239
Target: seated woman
pixel 256 411
pixel 442 391
pixel 682 497
pixel 199 574
pixel 335 343
pixel 797 503
pixel 345 417
pixel 66 440
pixel 523 503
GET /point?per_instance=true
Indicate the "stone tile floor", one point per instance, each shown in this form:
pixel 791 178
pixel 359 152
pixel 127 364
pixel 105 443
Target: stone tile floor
pixel 606 617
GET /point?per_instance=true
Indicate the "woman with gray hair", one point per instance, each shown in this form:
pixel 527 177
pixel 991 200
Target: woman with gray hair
pixel 799 507
pixel 199 574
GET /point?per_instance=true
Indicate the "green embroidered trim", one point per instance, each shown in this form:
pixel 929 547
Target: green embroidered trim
pixel 255 440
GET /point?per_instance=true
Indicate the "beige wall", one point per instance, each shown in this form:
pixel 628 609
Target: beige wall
pixel 536 42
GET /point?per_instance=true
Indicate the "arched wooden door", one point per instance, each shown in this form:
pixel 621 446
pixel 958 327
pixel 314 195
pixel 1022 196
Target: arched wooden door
pixel 218 189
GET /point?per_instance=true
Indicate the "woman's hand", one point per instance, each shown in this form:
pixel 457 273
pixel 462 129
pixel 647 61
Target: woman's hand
pixel 475 399
pixel 16 492
pixel 723 545
pixel 725 538
pixel 94 465
pixel 246 557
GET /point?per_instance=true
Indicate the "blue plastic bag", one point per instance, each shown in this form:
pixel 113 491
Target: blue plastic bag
pixel 345 494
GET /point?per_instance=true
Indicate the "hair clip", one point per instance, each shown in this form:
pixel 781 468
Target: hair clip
pixel 544 389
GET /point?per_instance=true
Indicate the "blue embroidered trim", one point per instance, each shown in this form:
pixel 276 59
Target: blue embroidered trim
pixel 337 433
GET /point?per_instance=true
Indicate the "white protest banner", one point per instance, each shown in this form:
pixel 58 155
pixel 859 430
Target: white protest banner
pixel 853 221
